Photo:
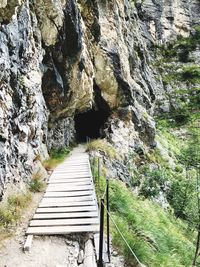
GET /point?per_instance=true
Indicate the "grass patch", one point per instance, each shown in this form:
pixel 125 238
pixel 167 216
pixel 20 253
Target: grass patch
pixel 157 238
pixel 36 185
pixel 104 147
pixel 191 74
pixel 11 211
pixel 57 156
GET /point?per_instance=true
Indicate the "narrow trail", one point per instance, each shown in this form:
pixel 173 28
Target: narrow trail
pixel 55 250
pixel 69 204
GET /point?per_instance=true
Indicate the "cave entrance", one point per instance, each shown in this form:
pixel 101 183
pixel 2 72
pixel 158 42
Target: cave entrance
pixel 91 123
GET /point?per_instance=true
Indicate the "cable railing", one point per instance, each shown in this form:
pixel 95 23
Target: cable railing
pixel 104 206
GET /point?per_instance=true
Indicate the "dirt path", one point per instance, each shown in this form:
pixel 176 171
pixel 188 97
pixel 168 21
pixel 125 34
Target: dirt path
pixel 46 251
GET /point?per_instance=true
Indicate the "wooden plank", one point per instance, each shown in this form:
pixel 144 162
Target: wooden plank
pixel 69 204
pixel 105 253
pixel 66 204
pixel 72 167
pixel 68 199
pixel 56 230
pixel 69 194
pixel 75 162
pixel 69 180
pixel 85 156
pixel 87 214
pixel 28 242
pixel 77 173
pixel 77 221
pixel 89 258
pixel 63 184
pixel 66 209
pixel 71 173
pixel 68 188
pixel 59 177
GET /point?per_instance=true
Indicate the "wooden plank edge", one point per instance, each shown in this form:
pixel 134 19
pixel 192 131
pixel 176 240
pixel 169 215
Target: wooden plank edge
pixel 28 243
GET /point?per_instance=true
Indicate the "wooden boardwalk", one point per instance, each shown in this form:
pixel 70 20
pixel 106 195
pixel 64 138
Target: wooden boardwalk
pixel 69 204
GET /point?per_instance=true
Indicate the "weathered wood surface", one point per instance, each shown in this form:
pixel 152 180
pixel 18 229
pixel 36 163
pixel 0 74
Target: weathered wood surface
pixel 63 222
pixel 105 253
pixel 67 199
pixel 88 214
pixel 68 194
pixel 69 203
pixel 89 259
pixel 66 209
pixel 61 230
pixel 70 180
pixel 28 243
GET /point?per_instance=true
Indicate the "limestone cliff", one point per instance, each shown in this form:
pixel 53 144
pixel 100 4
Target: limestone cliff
pixel 60 59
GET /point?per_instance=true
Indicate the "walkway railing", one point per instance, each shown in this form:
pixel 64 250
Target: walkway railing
pixel 104 204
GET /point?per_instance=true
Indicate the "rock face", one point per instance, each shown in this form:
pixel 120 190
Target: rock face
pixel 63 58
pixel 23 112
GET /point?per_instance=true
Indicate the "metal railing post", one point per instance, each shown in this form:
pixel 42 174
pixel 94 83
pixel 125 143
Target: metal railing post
pixel 99 177
pixel 108 218
pixel 100 262
pixel 93 169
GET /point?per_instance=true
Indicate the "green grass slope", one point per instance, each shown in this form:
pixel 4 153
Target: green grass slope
pixel 157 237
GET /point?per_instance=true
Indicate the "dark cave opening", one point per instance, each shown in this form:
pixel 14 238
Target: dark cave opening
pixel 91 123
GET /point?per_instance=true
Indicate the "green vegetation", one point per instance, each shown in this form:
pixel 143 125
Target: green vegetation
pixel 191 73
pixel 165 237
pixel 11 211
pixel 181 48
pixel 36 184
pixel 180 72
pixel 156 236
pixel 56 156
pixel 104 147
pixel 160 237
pixel 184 150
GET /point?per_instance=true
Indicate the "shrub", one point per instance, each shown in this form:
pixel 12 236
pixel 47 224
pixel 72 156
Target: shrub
pixel 191 73
pixel 19 200
pixel 154 182
pixel 104 147
pixel 36 185
pixel 11 211
pixel 56 156
pixel 8 217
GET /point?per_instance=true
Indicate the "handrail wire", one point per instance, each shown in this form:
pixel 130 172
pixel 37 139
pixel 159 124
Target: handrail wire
pixel 124 239
pixel 104 193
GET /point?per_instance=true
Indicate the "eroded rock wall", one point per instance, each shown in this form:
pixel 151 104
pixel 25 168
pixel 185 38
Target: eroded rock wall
pixel 61 58
pixel 23 113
